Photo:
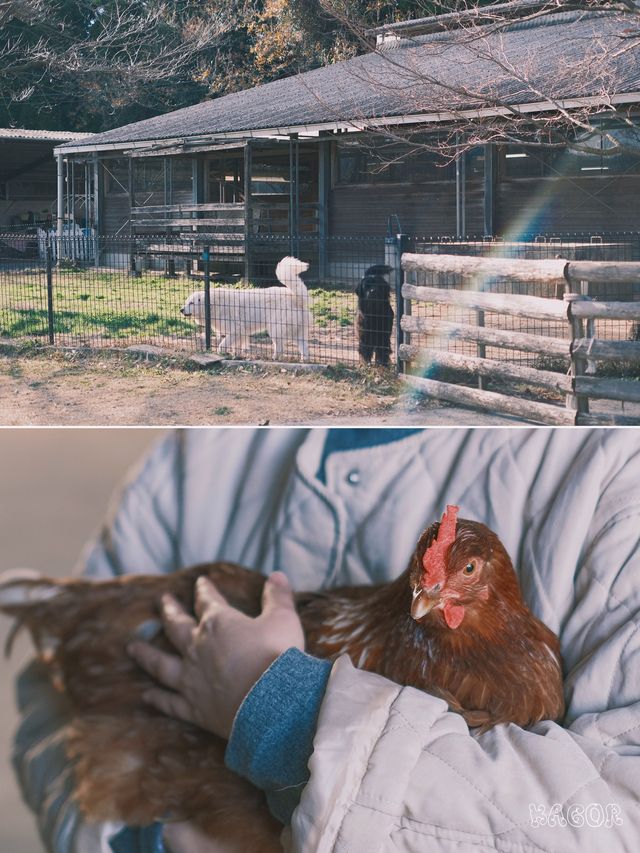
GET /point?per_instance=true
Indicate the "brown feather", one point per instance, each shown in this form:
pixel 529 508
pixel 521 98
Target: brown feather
pixel 501 664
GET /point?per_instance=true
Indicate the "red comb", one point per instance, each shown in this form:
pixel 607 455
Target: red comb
pixel 433 561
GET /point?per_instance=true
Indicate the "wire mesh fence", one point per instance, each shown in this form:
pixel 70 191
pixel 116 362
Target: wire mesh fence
pixel 112 291
pixel 153 290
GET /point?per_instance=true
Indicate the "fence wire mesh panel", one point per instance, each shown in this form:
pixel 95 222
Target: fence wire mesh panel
pixel 108 291
pixel 571 247
pixel 350 294
pixel 23 288
pixel 108 294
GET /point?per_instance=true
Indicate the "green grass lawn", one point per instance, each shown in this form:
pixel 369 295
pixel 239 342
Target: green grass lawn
pixel 91 305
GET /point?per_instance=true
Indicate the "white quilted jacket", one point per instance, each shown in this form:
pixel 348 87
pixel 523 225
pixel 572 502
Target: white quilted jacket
pixel 392 769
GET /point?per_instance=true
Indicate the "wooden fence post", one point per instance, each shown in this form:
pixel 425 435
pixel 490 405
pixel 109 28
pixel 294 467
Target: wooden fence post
pixel 578 402
pixel 481 348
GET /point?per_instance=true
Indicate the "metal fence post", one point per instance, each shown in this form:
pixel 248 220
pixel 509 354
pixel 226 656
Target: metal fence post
pixel 49 274
pixel 207 299
pixel 393 249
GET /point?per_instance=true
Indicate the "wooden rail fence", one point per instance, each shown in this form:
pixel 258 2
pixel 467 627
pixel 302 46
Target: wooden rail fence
pixel 582 350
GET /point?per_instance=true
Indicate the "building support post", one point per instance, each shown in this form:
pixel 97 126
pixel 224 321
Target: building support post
pixel 60 207
pixel 490 176
pixel 87 194
pixel 291 196
pixel 72 209
pixel 96 210
pixel 198 180
pixel 197 194
pixel 461 206
pixel 133 266
pixel 248 211
pixel 297 197
pixel 324 189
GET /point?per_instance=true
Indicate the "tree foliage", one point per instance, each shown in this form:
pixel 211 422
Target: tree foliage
pixel 95 64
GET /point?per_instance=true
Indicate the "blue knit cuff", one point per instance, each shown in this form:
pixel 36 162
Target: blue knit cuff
pixel 272 736
pixel 138 839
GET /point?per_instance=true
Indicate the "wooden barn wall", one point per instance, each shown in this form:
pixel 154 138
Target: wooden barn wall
pixel 115 214
pixel 423 209
pixel 589 205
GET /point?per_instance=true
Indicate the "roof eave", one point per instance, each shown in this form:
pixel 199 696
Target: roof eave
pixel 358 125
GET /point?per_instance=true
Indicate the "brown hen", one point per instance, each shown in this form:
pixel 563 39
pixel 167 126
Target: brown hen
pixel 453 624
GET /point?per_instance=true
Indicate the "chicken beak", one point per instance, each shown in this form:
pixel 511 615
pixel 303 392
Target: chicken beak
pixel 422 603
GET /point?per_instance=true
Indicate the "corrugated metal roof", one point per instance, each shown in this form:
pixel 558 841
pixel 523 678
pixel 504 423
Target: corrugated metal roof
pixel 45 135
pixel 418 76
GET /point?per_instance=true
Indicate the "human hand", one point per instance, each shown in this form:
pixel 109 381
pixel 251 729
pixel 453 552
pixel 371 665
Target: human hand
pixel 222 653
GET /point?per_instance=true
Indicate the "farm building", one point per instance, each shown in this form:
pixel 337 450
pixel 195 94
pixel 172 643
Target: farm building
pixel 319 155
pixel 28 176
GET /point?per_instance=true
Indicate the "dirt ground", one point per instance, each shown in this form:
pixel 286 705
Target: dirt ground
pixel 107 388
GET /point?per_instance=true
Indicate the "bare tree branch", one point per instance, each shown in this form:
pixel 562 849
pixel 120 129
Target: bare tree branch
pixel 472 72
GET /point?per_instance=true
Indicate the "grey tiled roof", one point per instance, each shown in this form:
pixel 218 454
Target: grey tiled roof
pixel 415 76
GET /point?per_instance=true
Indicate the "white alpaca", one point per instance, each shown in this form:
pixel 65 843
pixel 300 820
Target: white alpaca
pixel 283 312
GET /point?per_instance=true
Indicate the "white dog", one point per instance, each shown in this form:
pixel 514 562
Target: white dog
pixel 283 312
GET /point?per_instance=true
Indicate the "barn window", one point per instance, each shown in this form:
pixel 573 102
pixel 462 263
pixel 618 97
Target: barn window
pixel 520 161
pixel 614 151
pixel 358 163
pixel 148 177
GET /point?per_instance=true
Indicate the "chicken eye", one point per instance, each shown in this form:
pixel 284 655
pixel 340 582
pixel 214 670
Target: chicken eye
pixel 470 568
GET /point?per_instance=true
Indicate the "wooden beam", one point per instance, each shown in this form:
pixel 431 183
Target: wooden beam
pixel 603 272
pixel 228 209
pixel 490 401
pixel 602 388
pixel 589 310
pixel 142 221
pixel 500 303
pixel 491 368
pixel 492 337
pixel 606 419
pixel 512 269
pixel 600 350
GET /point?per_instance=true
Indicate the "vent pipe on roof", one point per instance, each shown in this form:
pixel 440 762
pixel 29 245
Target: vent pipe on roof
pixel 385 39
